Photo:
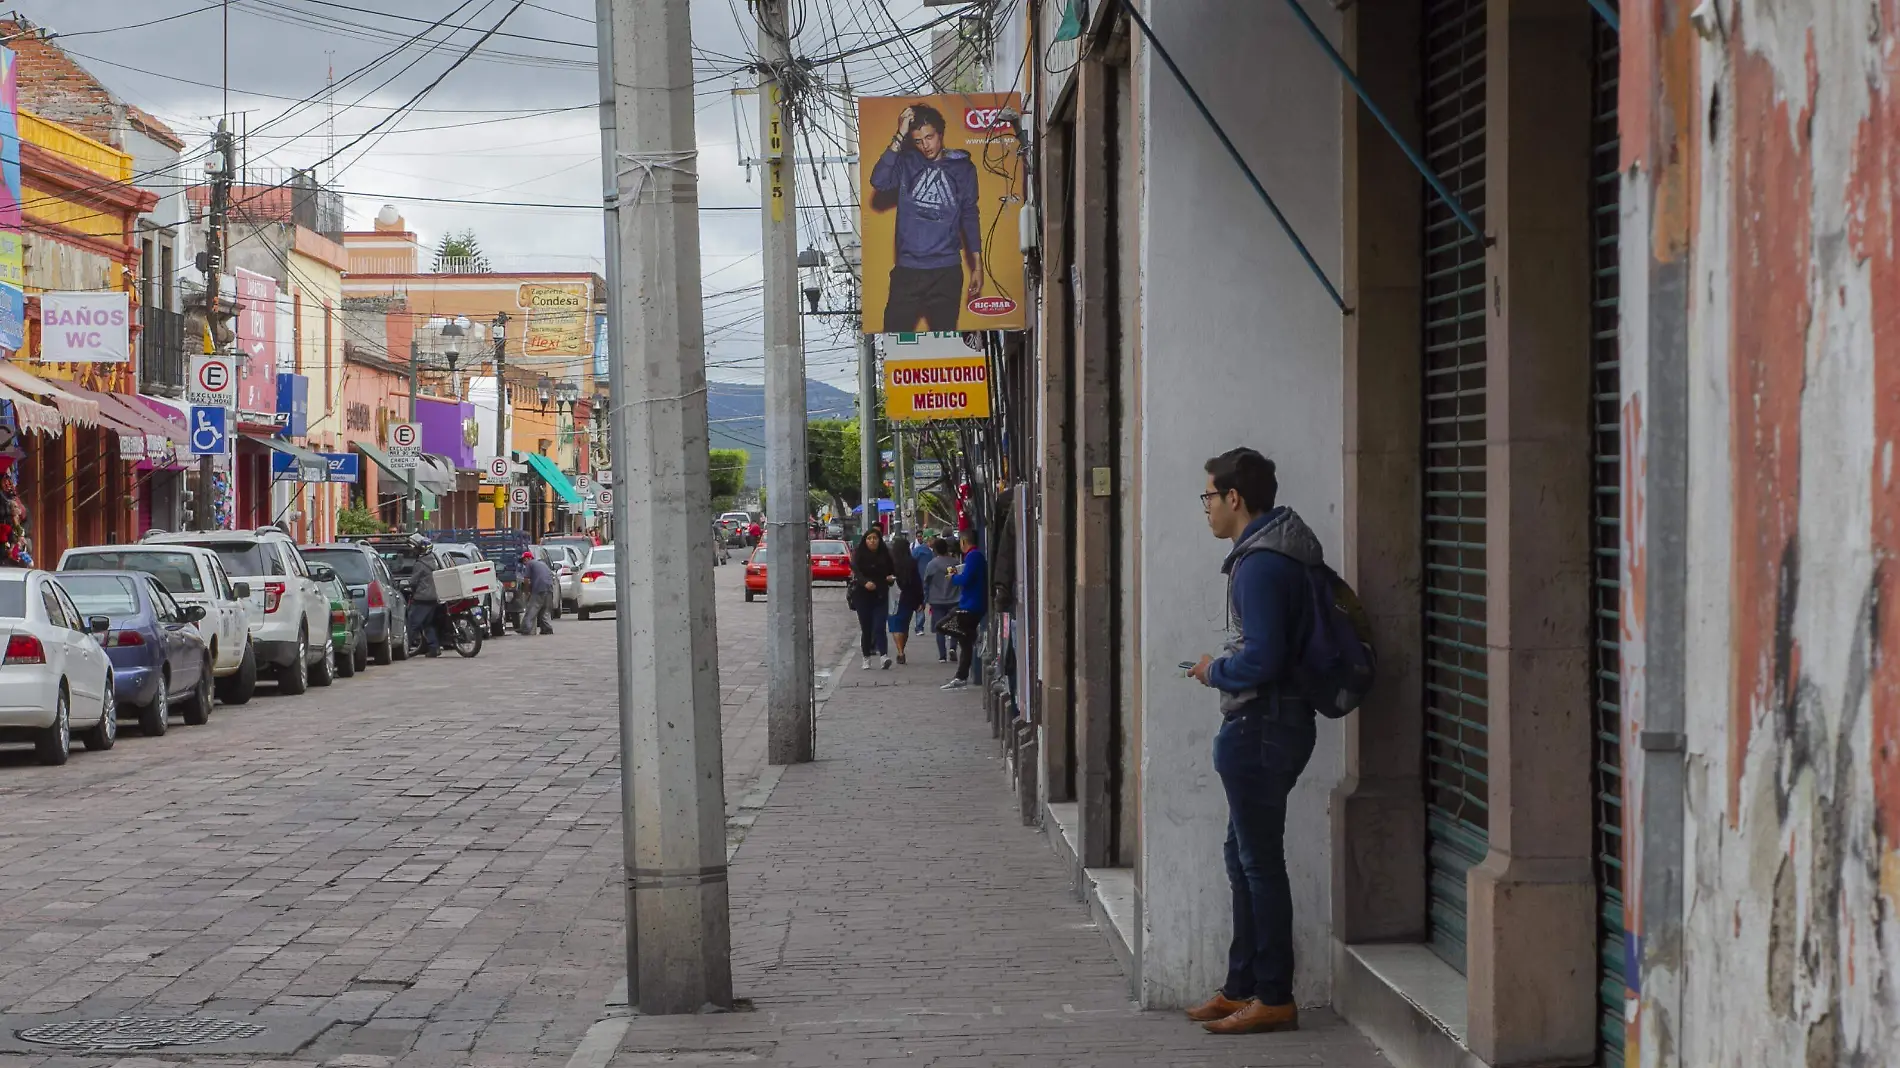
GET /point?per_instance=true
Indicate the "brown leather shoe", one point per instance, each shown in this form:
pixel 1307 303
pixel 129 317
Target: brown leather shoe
pixel 1218 1007
pixel 1255 1018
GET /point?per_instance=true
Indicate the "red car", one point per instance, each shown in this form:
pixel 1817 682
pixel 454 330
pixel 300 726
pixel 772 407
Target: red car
pixel 830 561
pixel 755 573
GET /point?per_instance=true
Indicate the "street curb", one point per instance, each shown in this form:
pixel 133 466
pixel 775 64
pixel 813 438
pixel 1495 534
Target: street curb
pixel 601 1042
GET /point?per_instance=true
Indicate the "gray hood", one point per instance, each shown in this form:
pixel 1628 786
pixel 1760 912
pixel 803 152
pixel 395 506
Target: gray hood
pixel 1285 533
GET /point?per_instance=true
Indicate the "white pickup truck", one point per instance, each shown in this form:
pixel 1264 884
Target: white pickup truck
pixel 192 575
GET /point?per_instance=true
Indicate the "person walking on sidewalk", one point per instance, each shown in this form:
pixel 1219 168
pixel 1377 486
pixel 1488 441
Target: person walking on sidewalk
pixel 871 578
pixel 910 593
pixel 971 577
pixel 940 590
pixel 920 553
pixel 1266 734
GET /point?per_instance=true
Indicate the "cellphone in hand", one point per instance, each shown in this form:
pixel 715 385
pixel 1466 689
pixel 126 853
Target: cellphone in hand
pixel 1187 665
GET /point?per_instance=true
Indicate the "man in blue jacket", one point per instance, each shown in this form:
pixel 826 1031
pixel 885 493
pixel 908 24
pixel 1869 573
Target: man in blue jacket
pixel 972 578
pixel 939 230
pixel 1266 735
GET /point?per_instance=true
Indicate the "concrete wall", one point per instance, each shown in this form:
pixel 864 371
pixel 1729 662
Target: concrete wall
pixel 1241 347
pixel 1766 256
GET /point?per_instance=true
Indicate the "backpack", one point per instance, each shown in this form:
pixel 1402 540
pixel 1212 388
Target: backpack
pixel 1336 664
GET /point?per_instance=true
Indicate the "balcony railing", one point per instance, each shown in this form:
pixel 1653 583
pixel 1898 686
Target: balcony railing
pixel 161 352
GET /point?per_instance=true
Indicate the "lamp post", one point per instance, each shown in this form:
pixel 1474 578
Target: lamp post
pixel 445 340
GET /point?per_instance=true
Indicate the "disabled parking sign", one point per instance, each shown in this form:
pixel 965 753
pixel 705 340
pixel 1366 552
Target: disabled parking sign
pixel 208 431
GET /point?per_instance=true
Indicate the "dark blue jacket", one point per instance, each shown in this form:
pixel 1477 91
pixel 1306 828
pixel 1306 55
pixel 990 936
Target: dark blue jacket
pixel 971 580
pixel 1267 598
pixel 937 218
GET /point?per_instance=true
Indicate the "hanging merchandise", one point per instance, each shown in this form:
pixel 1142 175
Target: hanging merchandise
pixel 16 549
pixel 221 500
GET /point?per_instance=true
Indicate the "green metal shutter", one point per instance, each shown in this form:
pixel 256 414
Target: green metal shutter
pixel 1456 742
pixel 1606 542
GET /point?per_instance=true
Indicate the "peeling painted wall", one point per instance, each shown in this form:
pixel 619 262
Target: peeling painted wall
pixel 1762 146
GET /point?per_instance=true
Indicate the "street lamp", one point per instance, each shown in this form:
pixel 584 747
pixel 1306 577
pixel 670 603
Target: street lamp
pixel 449 340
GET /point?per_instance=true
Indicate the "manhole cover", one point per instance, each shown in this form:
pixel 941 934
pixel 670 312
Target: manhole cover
pixel 139 1032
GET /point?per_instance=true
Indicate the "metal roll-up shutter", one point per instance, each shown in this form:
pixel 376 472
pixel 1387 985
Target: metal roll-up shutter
pixel 1456 743
pixel 1606 537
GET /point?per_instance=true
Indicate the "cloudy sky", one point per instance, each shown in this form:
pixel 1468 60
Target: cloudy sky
pixel 515 123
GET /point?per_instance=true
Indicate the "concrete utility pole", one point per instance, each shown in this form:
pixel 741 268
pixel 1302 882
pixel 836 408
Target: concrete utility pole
pixel 673 811
pixel 868 481
pixel 217 232
pixel 504 517
pixel 409 509
pixel 788 652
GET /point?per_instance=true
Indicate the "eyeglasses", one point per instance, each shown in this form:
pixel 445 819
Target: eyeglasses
pixel 1208 499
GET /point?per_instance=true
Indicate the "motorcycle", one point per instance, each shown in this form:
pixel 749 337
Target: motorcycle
pixel 462 625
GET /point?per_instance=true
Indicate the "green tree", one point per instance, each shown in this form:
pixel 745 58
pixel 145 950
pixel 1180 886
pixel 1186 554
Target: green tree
pixel 358 520
pixel 461 251
pixel 728 474
pixel 831 449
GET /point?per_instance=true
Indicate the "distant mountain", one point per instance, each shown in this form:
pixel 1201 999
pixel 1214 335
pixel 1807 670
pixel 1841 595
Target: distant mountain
pixel 735 413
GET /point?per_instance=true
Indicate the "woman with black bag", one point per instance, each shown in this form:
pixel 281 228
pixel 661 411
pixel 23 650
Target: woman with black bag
pixel 871 578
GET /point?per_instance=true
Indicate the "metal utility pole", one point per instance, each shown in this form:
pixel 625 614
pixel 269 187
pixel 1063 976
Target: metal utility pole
pixel 868 481
pixel 788 650
pixel 673 811
pixel 504 518
pixel 900 481
pixel 216 232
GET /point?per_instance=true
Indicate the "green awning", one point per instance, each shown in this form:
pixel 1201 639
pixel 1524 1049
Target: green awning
pixel 552 476
pixel 382 460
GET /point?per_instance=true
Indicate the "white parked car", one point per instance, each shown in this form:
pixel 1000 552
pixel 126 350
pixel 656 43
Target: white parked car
pixel 54 671
pixel 289 613
pixel 192 575
pixel 596 582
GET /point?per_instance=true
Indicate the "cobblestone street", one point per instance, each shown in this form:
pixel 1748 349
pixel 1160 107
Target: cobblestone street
pixel 417 867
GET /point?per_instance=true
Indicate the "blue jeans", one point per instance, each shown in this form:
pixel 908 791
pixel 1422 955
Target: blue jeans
pixel 422 620
pixel 873 639
pixel 1259 758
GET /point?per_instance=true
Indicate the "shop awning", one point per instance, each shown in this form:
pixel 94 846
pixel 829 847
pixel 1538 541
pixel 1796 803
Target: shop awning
pixel 133 437
pixel 161 434
pixel 75 409
pixel 310 466
pixel 436 473
pixel 554 478
pixel 33 416
pixel 381 459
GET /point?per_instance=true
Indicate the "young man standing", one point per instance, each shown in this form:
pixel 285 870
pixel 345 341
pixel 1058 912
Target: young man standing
pixel 1266 735
pixel 972 577
pixel 939 229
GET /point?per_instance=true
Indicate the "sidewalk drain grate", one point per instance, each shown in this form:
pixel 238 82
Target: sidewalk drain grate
pixel 124 1033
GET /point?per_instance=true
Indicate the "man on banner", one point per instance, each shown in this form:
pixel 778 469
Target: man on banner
pixel 939 228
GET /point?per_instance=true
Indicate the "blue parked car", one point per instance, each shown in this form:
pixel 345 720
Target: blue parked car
pixel 158 656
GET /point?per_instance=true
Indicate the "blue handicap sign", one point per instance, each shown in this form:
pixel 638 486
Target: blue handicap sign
pixel 207 430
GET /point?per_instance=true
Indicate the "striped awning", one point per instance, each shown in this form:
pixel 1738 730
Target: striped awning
pixel 33 416
pixel 75 409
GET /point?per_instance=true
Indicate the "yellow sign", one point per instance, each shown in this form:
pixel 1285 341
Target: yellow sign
pixel 501 498
pixel 951 387
pixel 559 318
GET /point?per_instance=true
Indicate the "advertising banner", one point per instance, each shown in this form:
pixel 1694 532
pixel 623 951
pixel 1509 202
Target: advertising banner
pixel 85 327
pixel 942 193
pixel 603 359
pixel 953 387
pixel 558 315
pixel 12 223
pixel 257 342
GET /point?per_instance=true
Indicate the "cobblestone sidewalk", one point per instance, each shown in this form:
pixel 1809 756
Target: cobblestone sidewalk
pixel 889 908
